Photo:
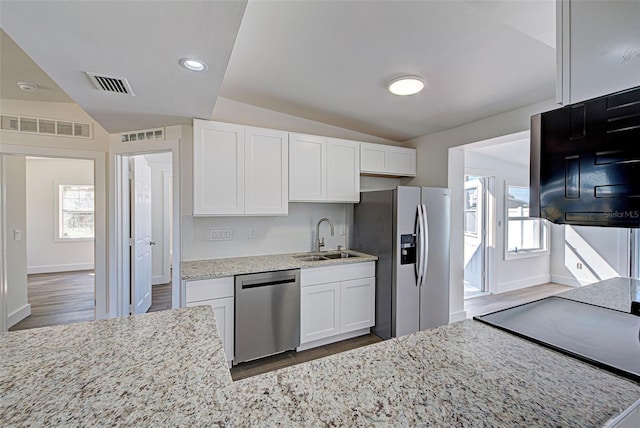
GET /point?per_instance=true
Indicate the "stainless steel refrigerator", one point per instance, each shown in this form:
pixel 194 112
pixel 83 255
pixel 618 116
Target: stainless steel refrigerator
pixel 408 229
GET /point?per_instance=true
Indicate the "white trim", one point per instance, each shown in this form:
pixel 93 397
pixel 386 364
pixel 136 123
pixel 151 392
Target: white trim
pixel 60 268
pixel 530 281
pixel 105 303
pixel 119 264
pixel 566 280
pixel 3 253
pixel 167 226
pixel 18 315
pixel 457 316
pixel 333 339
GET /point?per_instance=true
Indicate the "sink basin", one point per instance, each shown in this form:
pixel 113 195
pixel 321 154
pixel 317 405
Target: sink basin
pixel 343 255
pixel 311 258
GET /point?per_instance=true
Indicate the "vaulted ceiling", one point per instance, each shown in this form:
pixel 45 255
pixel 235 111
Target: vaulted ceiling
pixel 321 60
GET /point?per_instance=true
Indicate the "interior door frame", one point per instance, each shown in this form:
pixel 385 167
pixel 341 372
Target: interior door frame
pixel 119 212
pixel 104 298
pixel 488 226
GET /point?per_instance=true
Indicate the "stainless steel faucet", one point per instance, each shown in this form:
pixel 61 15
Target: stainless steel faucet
pixel 320 242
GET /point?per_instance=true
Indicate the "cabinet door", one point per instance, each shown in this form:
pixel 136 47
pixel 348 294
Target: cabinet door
pixel 402 161
pixel 343 170
pixel 357 304
pixel 218 168
pixel 223 311
pixel 373 158
pixel 266 171
pixel 319 311
pixel 307 168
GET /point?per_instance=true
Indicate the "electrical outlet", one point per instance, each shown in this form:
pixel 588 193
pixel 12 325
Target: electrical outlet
pixel 579 265
pixel 343 231
pixel 252 234
pixel 17 234
pixel 220 234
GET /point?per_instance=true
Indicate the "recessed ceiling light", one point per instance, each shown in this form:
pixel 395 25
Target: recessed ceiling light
pixel 193 64
pixel 27 87
pixel 406 85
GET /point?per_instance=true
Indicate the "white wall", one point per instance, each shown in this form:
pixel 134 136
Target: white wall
pixel 46 253
pixel 14 173
pixel 511 274
pixel 436 168
pixel 273 235
pixel 603 253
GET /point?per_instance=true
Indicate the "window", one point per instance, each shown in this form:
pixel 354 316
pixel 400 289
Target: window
pixel 526 236
pixel 76 212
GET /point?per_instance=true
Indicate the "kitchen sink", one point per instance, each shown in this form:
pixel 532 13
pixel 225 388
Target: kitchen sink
pixel 343 255
pixel 327 256
pixel 312 258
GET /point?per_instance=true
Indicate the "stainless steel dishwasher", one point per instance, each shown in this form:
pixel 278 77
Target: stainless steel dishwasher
pixel 267 314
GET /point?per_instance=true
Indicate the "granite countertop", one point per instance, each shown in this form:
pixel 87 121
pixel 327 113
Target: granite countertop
pixel 216 268
pixel 168 368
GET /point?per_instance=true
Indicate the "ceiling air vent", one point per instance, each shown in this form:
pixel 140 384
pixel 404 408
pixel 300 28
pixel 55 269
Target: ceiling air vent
pixel 110 84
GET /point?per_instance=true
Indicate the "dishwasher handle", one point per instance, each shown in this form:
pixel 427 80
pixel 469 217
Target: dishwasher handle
pixel 261 283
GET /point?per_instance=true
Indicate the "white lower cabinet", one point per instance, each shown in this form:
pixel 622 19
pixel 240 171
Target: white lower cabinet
pixel 336 302
pixel 217 293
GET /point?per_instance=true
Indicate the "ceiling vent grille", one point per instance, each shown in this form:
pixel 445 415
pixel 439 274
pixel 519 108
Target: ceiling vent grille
pixel 104 83
pixel 37 125
pixel 142 135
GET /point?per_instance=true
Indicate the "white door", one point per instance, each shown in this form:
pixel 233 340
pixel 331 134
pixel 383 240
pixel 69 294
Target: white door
pixel 319 311
pixel 473 237
pixel 357 304
pixel 141 233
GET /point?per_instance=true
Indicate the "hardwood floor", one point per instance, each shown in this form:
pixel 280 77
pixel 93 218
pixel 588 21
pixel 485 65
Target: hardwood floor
pixel 68 297
pixel 290 358
pixel 160 297
pixel 59 298
pixel 494 302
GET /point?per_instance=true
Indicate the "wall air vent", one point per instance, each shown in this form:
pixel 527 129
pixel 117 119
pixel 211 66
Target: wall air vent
pixel 37 125
pixel 110 84
pixel 142 135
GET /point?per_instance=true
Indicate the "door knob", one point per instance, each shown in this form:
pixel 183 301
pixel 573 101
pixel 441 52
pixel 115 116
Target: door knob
pixel 152 242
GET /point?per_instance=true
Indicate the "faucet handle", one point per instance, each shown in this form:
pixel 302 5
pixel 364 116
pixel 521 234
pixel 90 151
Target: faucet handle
pixel 340 247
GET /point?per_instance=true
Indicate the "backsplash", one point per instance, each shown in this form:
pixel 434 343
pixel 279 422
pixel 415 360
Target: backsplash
pixel 253 236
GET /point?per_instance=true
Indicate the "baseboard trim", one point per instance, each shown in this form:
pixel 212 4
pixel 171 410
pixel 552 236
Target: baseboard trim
pixel 565 280
pixel 159 280
pixel 530 281
pixel 457 316
pixel 332 339
pixel 60 268
pixel 18 315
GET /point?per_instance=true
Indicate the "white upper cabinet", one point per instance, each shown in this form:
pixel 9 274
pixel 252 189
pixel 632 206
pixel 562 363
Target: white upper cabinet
pixel 307 168
pixel 239 170
pixel 343 170
pixel 266 169
pixel 323 169
pixel 597 48
pixel 381 159
pixel 218 168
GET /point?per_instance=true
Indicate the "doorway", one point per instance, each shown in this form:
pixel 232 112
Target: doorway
pixel 476 242
pixel 69 215
pixel 145 205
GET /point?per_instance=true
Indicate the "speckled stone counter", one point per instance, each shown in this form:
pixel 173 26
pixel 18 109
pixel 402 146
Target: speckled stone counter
pixel 216 268
pixel 614 293
pixel 168 369
pixel 159 369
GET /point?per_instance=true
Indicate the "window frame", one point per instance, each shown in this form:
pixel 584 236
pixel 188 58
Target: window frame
pixel 59 214
pixel 544 231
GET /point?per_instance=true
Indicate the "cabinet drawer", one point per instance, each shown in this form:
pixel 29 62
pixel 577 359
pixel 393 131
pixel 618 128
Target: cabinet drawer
pixel 207 289
pixel 345 272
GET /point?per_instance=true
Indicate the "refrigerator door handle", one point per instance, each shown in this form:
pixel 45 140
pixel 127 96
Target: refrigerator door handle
pixel 420 246
pixel 418 230
pixel 424 253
